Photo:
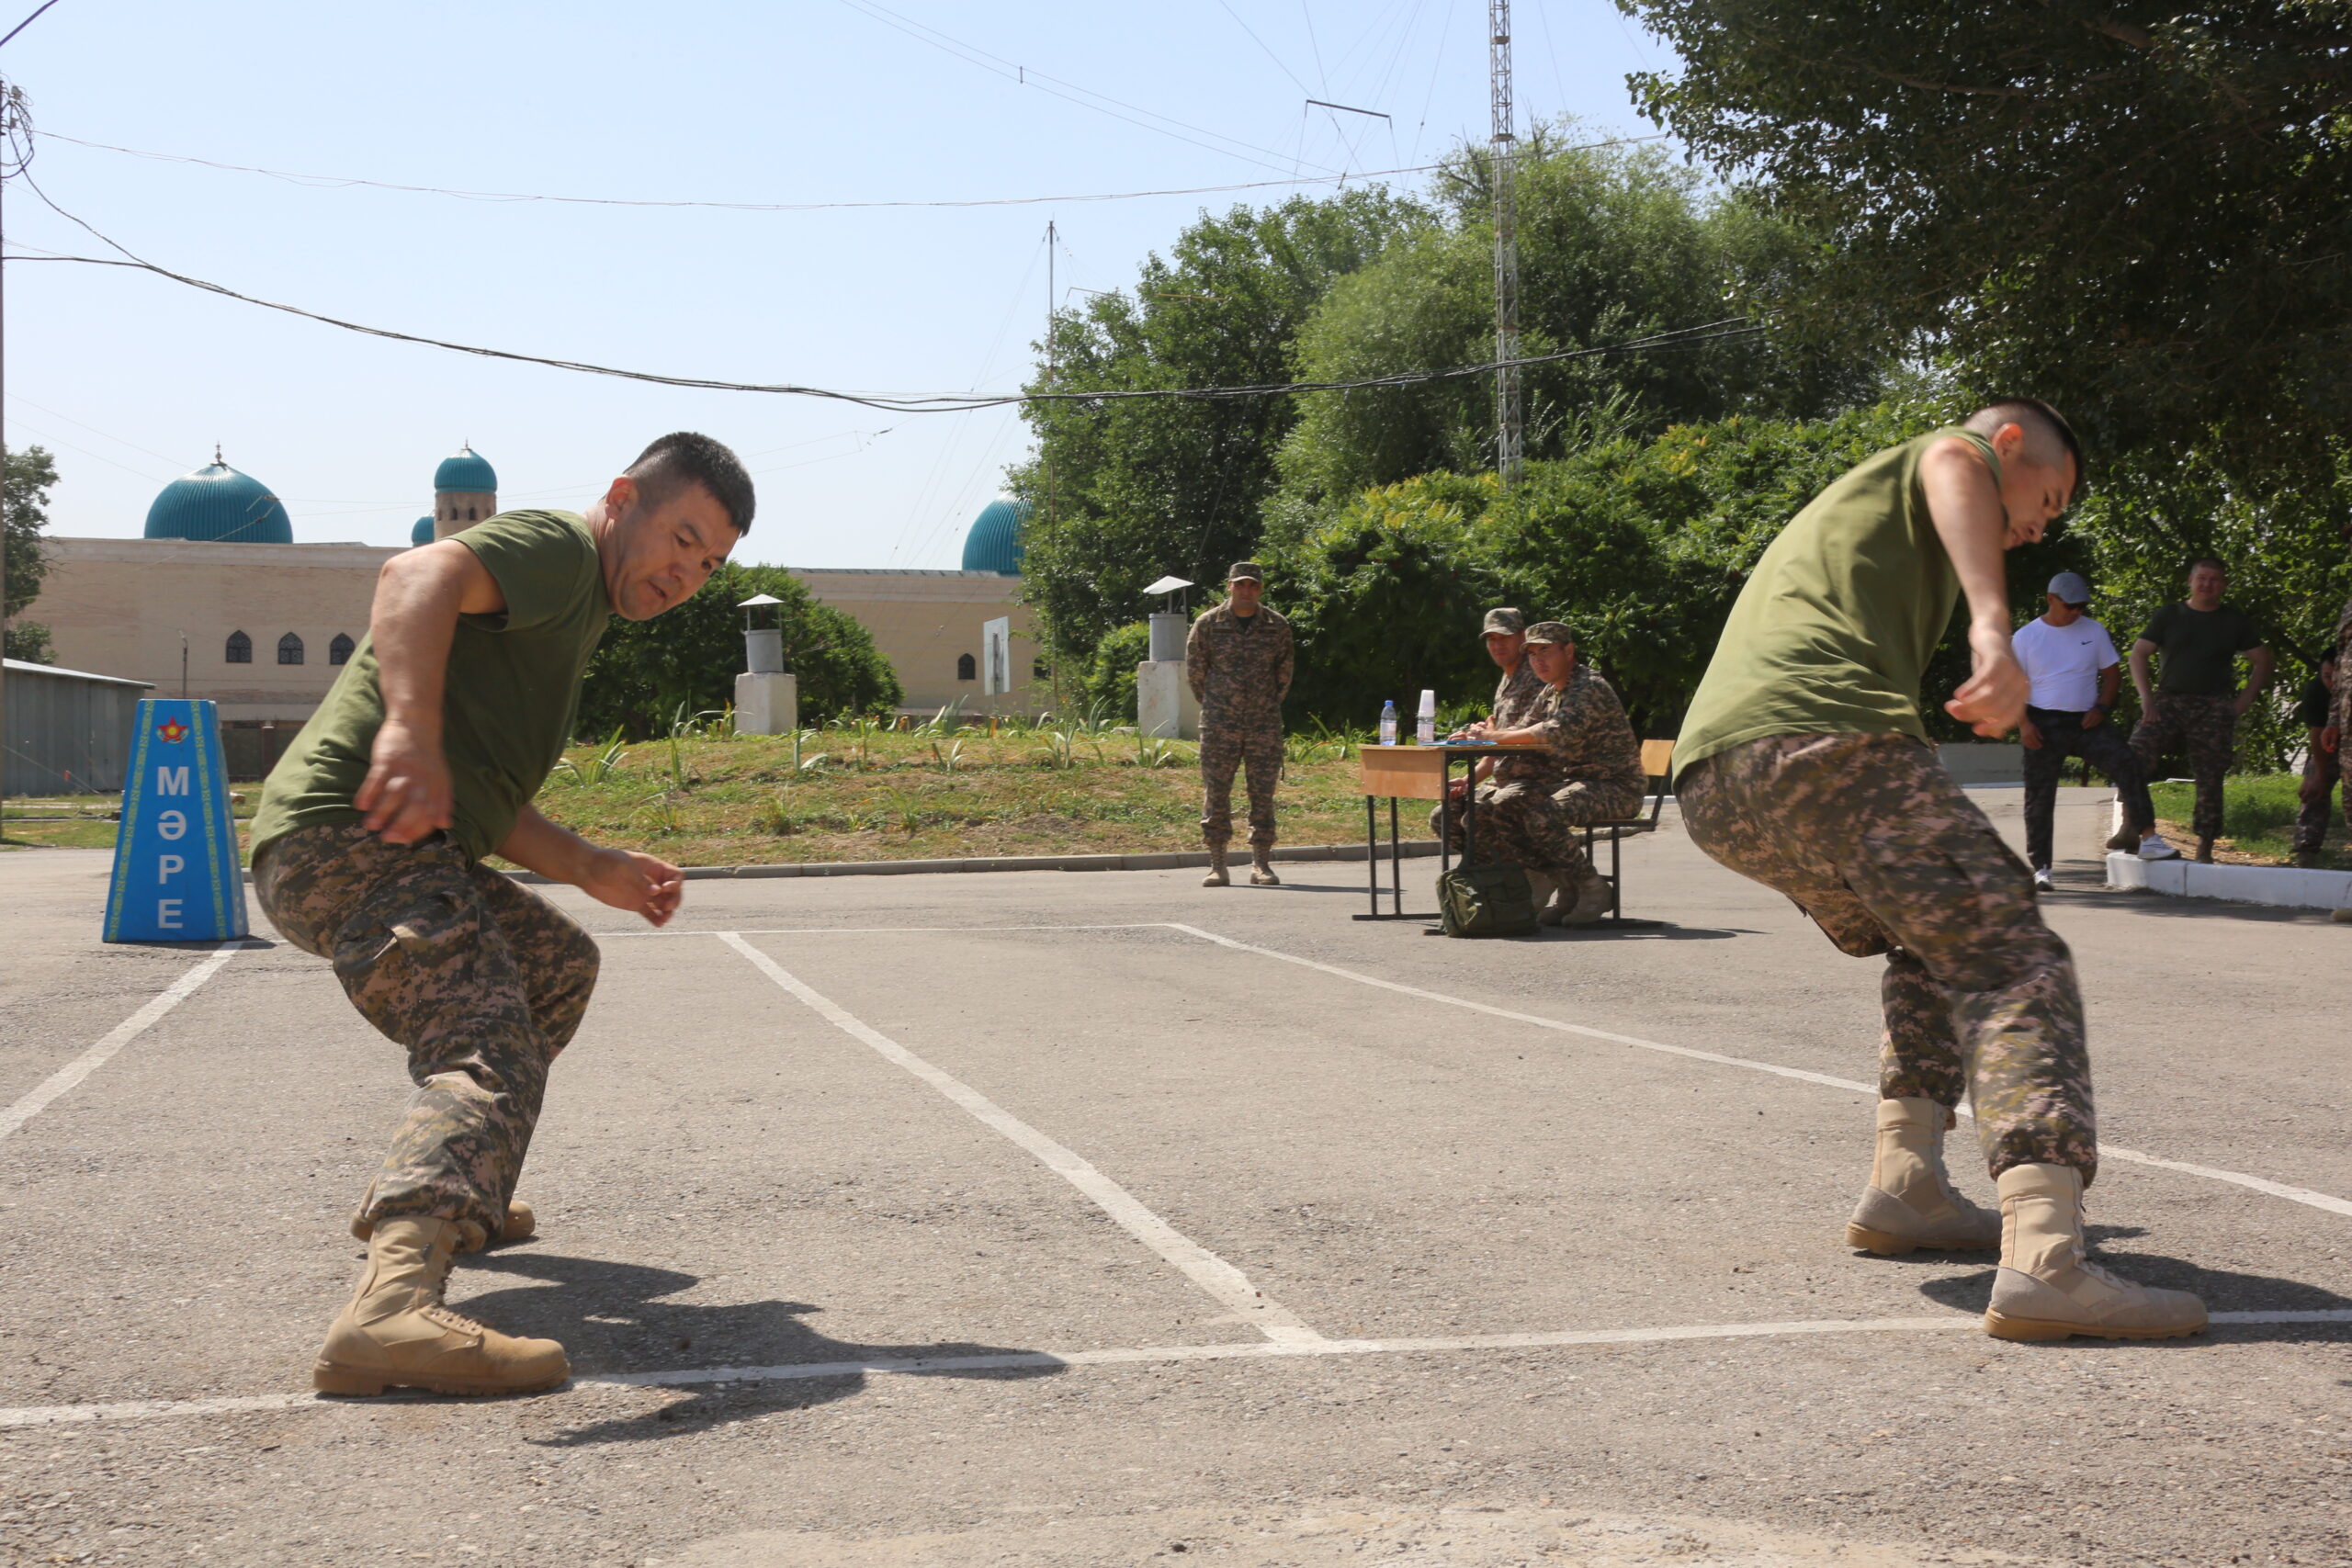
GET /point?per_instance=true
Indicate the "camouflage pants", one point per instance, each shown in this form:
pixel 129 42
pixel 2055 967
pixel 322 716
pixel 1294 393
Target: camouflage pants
pixel 481 979
pixel 1223 749
pixel 1518 824
pixel 2321 770
pixel 1870 836
pixel 2207 728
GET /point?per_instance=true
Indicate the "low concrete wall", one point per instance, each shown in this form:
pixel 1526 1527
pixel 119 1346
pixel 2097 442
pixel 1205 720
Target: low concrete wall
pixel 2287 887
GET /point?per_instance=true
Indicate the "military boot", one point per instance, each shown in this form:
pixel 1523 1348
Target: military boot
pixel 1910 1202
pixel 1218 876
pixel 1584 899
pixel 2205 851
pixel 522 1223
pixel 1542 886
pixel 2047 1289
pixel 1261 866
pixel 397 1334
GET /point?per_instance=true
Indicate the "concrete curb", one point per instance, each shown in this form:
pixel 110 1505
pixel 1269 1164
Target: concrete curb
pixel 2283 886
pixel 1172 861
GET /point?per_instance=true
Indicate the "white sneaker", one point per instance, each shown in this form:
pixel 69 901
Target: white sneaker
pixel 2153 847
pixel 2041 883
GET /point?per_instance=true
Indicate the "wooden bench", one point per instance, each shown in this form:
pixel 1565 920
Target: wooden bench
pixel 1657 764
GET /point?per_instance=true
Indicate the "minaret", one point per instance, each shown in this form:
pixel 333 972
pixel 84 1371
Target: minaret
pixel 465 491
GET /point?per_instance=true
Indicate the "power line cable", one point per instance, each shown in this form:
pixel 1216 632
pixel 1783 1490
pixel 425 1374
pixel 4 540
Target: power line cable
pixel 946 403
pixel 29 21
pixel 333 182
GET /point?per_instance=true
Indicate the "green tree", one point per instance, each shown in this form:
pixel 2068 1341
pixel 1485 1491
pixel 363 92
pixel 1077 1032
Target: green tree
pixel 30 474
pixel 1615 245
pixel 1122 491
pixel 644 670
pixel 2134 209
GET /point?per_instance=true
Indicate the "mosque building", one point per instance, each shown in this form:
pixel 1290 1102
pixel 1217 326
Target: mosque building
pixel 218 599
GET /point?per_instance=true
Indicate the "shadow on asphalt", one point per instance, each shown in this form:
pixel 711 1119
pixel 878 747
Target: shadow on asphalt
pixel 612 1317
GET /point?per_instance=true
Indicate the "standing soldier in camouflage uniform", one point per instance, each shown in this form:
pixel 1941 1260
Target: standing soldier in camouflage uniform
pixel 1238 661
pixel 367 852
pixel 2315 711
pixel 2195 702
pixel 1804 765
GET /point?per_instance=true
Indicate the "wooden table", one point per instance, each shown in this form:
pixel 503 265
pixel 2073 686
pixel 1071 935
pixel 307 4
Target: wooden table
pixel 1413 773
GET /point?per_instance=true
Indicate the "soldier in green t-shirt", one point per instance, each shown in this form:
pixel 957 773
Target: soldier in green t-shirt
pixel 1805 764
pixel 367 850
pixel 2194 702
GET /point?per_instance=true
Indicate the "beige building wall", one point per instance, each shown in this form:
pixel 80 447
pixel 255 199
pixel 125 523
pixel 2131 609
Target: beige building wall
pixel 927 623
pixel 119 607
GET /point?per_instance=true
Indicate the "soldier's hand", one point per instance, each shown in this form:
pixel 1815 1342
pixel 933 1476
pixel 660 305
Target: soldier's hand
pixel 407 794
pixel 643 885
pixel 2029 736
pixel 1992 701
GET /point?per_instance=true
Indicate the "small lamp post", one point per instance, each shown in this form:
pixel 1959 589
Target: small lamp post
pixel 767 696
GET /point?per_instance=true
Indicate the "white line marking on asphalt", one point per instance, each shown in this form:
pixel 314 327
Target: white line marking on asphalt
pixel 898 931
pixel 61 1081
pixel 154 1409
pixel 1214 1274
pixel 2106 1151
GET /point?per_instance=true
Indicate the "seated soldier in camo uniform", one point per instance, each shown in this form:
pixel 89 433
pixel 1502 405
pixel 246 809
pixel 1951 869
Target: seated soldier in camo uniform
pixel 1805 765
pixel 1521 697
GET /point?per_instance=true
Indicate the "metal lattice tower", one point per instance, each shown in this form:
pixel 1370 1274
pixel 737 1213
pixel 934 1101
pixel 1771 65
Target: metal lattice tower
pixel 1508 431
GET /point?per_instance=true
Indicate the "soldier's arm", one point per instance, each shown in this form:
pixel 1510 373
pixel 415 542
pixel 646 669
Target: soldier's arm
pixel 2259 662
pixel 642 884
pixel 1965 506
pixel 1196 660
pixel 420 594
pixel 1289 663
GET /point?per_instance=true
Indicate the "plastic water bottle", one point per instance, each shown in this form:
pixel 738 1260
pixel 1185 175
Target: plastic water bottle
pixel 1388 722
pixel 1426 730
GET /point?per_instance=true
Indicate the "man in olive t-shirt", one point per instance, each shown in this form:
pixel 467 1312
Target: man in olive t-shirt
pixel 368 849
pixel 1804 763
pixel 2195 702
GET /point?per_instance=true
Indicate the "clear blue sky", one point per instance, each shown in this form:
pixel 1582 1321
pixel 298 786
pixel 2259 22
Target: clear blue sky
pixel 131 379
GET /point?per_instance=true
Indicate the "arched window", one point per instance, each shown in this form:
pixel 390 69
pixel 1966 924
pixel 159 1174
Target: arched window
pixel 469 515
pixel 339 650
pixel 240 649
pixel 967 667
pixel 289 649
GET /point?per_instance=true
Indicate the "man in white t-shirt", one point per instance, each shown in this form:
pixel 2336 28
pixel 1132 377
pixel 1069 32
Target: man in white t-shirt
pixel 2075 673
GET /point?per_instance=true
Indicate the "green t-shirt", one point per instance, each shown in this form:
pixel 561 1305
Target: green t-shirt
pixel 506 709
pixel 2197 650
pixel 1840 618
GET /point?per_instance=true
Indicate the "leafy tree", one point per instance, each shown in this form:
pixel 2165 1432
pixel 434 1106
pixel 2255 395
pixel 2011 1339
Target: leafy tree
pixel 644 670
pixel 30 474
pixel 1614 243
pixel 1123 492
pixel 2135 209
pixel 1110 683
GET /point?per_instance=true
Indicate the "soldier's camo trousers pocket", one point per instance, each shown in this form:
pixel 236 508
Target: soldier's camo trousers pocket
pixel 397 962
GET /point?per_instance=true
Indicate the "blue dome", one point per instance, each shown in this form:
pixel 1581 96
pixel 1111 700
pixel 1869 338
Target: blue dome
pixel 994 544
pixel 217 503
pixel 466 470
pixel 423 532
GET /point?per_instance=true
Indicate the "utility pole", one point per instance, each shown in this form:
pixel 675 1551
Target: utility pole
pixel 1507 418
pixel 1053 366
pixel 12 110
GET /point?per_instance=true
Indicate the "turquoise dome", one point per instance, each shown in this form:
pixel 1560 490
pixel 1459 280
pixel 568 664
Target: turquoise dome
pixel 466 470
pixel 217 503
pixel 994 544
pixel 423 532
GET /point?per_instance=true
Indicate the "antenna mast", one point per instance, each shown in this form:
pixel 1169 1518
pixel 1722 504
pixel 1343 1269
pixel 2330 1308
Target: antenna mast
pixel 1507 423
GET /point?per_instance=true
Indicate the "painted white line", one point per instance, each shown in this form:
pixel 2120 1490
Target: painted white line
pixel 1211 1273
pixel 1014 1360
pixel 2305 1195
pixel 894 931
pixel 61 1081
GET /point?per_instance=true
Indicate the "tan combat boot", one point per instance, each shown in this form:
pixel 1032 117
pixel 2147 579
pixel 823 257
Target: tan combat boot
pixel 1218 876
pixel 2047 1289
pixel 522 1223
pixel 1910 1202
pixel 396 1333
pixel 1541 887
pixel 1584 899
pixel 1261 868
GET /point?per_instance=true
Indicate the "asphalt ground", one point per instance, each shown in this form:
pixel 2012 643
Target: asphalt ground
pixel 1065 1218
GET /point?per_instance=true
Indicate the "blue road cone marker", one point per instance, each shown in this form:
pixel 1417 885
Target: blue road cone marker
pixel 175 876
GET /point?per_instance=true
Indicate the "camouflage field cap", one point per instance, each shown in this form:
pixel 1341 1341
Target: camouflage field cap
pixel 1549 632
pixel 1509 622
pixel 1246 569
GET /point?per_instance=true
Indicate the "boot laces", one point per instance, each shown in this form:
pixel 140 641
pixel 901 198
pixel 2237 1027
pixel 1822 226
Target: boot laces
pixel 450 1317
